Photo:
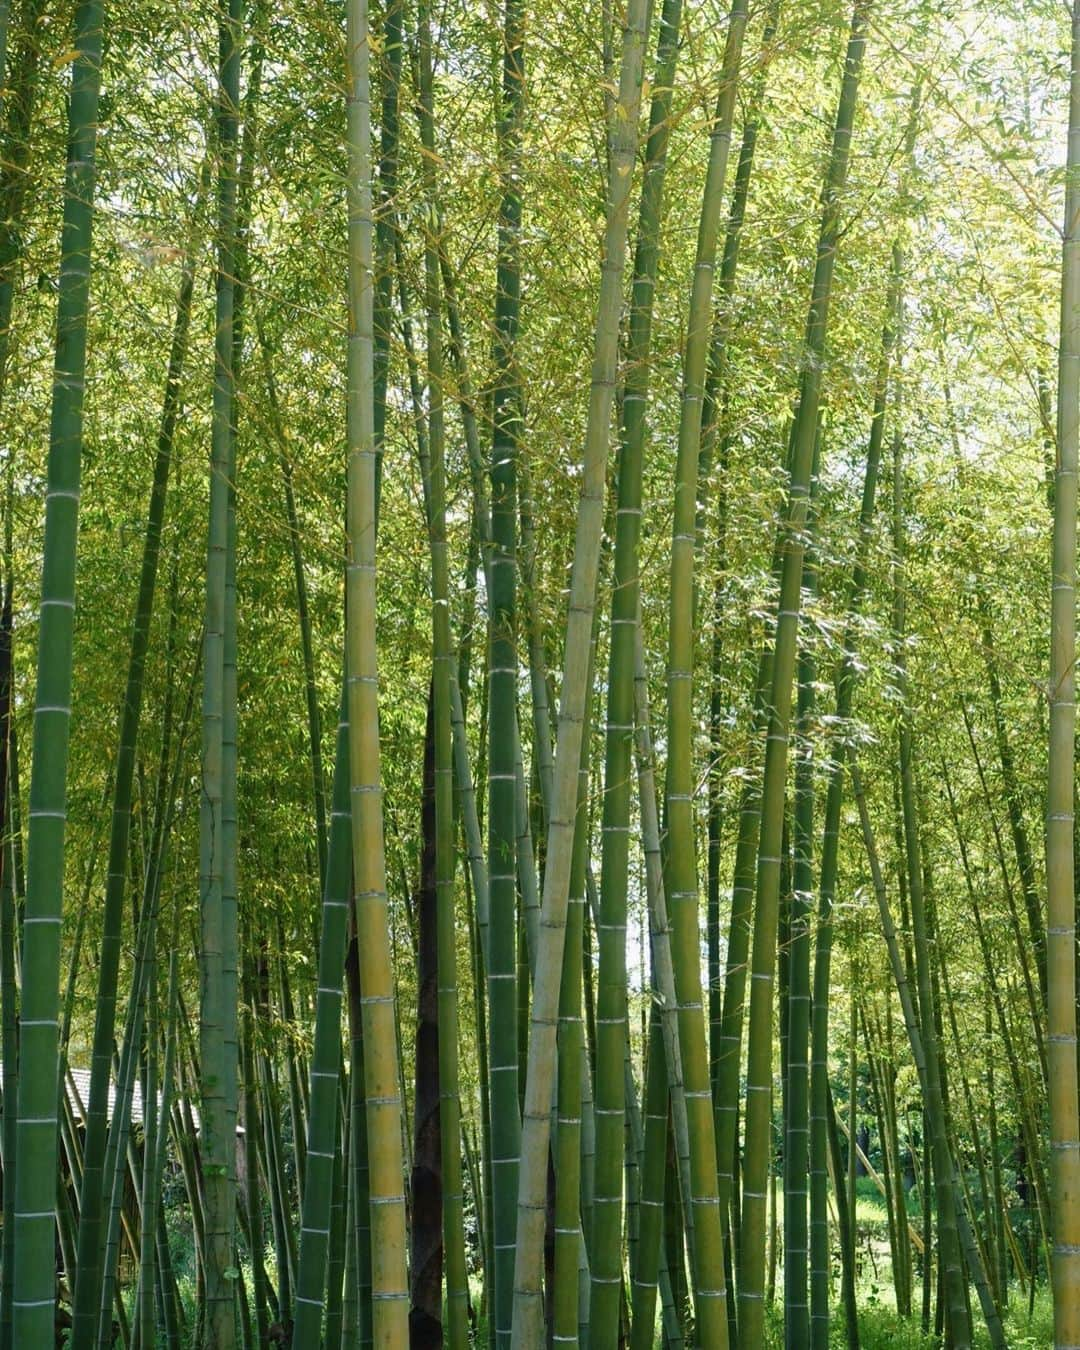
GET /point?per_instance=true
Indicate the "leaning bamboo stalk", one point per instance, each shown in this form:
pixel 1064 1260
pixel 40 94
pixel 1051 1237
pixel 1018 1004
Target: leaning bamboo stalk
pixel 913 1026
pixel 660 925
pixel 1024 957
pixel 88 1271
pixel 680 873
pixel 726 994
pixel 1023 1097
pixel 118 1143
pixel 763 958
pixel 281 435
pixel 845 680
pixel 20 96
pixel 528 1321
pixel 948 1239
pixel 876 1177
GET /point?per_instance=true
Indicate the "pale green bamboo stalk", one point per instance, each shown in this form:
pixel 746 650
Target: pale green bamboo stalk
pixel 763 958
pixel 659 923
pixel 1060 822
pixel 528 1320
pixel 681 878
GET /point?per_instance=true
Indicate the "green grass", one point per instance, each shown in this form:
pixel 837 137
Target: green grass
pixel 881 1328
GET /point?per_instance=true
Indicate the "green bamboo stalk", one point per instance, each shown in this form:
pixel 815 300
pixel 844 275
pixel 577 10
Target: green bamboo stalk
pixel 311 694
pixel 645 1276
pixel 20 95
pixel 296 1072
pixel 359 1180
pixel 528 1312
pixel 567 1294
pixel 713 414
pixel 997 1212
pixel 948 1240
pixel 612 1029
pixel 34 1288
pixel 845 1214
pixel 218 1142
pixel 759 1071
pixel 442 682
pixel 88 1271
pixel 879 1098
pixel 253 1196
pixel 1035 1008
pixel 8 991
pixel 538 672
pixel 326 1056
pixel 144 1294
pixel 796 1152
pixel 1060 823
pixel 335 1261
pixel 728 1062
pixel 117 1150
pixel 913 1025
pixel 118 1143
pixel 383 1096
pixel 846 677
pixel 502 688
pixel 985 1238
pixel 660 927
pixel 270 1145
pixel 425 1180
pixel 1018 826
pixel 681 882
pixel 390 54
pixel 163 1267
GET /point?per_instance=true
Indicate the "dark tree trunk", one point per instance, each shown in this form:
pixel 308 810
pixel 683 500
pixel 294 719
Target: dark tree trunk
pixel 425 1265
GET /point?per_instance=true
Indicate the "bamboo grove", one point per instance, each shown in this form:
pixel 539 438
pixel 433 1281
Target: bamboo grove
pixel 537 674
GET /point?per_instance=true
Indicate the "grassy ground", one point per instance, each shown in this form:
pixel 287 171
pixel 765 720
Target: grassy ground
pixel 880 1326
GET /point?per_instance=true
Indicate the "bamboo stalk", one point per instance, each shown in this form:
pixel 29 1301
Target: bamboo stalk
pixel 528 1320
pixel 34 1287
